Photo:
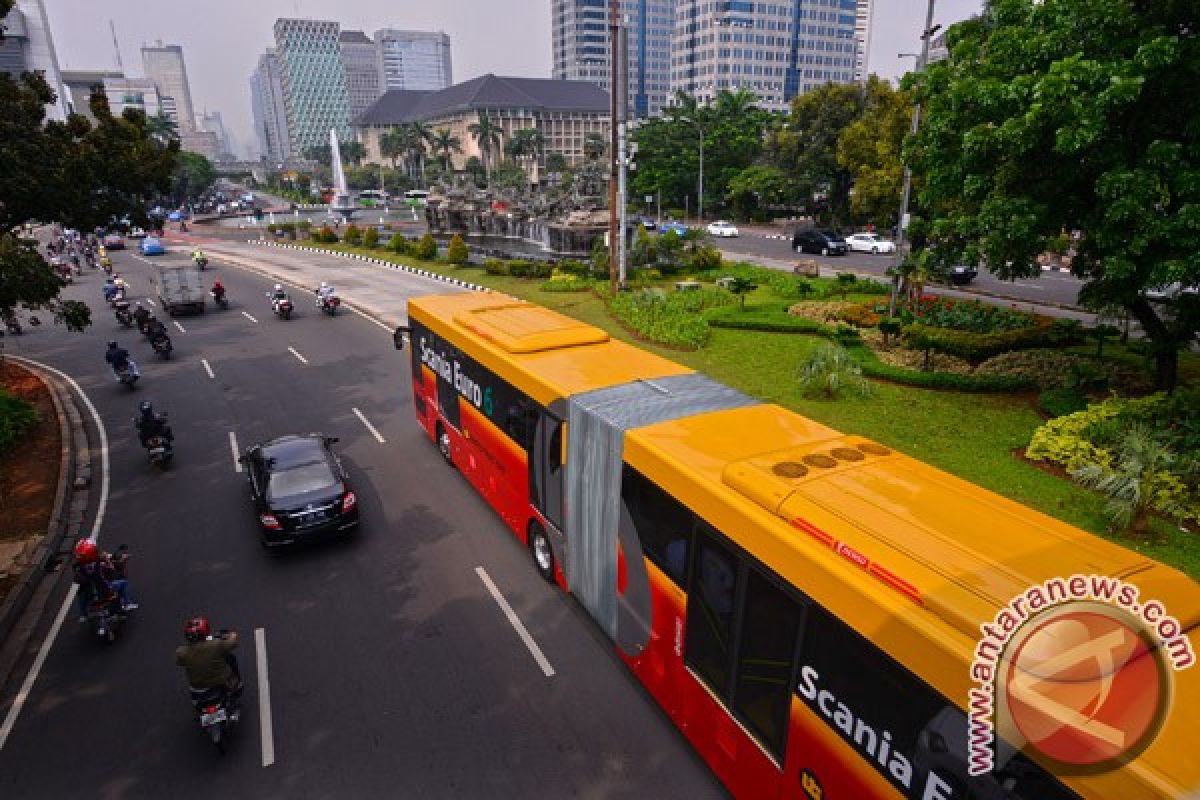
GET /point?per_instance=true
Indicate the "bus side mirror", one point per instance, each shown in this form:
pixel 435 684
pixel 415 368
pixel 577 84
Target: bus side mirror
pixel 398 336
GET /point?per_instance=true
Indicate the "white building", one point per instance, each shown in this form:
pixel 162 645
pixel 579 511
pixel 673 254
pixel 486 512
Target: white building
pixel 863 16
pixel 412 59
pixel 136 93
pixel 28 46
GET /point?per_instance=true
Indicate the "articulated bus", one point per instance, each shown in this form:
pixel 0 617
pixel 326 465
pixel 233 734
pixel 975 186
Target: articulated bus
pixel 806 606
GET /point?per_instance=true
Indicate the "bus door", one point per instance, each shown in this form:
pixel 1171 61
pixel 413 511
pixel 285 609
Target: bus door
pixel 547 471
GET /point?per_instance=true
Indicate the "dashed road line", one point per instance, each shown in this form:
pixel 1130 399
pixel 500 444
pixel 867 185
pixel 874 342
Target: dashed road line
pixel 265 726
pixel 233 448
pixel 149 302
pixel 247 316
pixel 369 426
pixel 301 358
pixel 182 329
pixel 515 621
pixel 207 367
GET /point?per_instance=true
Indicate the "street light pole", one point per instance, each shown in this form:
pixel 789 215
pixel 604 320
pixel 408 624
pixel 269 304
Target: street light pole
pixel 906 192
pixel 614 47
pixel 700 194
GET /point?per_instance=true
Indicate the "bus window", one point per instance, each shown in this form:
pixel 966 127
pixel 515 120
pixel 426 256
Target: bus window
pixel 711 610
pixel 766 653
pixel 546 470
pixel 663 524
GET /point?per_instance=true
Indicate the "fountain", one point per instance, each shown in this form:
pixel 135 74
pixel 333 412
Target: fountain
pixel 341 195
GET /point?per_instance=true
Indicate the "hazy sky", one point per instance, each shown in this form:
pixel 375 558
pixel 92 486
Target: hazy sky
pixel 222 39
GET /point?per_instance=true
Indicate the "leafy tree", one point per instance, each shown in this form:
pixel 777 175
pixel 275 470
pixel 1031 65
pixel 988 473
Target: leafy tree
pixel 670 245
pixel 556 163
pixel 487 135
pixel 474 167
pixel 370 237
pixel 353 235
pixel 510 175
pixel 319 153
pixel 393 144
pixel 1077 115
pixel 594 146
pixel 756 186
pixel 741 287
pixel 445 144
pixel 352 152
pixel 426 248
pixel 162 127
pixel 869 148
pixel 193 176
pixel 456 251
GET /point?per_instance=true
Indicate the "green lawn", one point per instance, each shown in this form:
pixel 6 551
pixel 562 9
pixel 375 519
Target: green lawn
pixel 969 435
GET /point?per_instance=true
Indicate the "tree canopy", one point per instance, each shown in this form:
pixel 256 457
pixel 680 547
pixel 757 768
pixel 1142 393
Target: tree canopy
pixel 193 175
pixel 1072 116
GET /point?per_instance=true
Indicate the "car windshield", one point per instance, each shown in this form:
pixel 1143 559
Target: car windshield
pixel 301 479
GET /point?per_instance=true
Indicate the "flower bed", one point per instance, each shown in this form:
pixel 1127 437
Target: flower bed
pixel 967 315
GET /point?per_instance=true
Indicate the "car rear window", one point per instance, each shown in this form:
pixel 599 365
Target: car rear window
pixel 300 480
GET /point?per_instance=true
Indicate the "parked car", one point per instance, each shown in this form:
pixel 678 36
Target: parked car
pixel 137 233
pixel 678 227
pixel 151 246
pixel 962 274
pixel 869 243
pixel 722 229
pixel 648 223
pixel 826 243
pixel 114 242
pixel 299 488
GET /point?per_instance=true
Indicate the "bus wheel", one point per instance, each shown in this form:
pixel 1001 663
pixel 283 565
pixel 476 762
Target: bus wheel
pixel 443 444
pixel 539 548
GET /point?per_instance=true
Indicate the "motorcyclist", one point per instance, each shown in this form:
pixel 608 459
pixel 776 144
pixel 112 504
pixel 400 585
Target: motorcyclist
pixel 117 357
pixel 150 424
pixel 109 288
pixel 140 315
pixel 324 292
pixel 207 660
pixel 155 330
pixel 198 255
pixel 277 294
pixel 100 576
pixel 218 290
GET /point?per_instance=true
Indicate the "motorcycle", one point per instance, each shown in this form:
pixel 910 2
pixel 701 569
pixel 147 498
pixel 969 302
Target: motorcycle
pixel 106 616
pixel 106 264
pixel 162 346
pixel 116 295
pixel 282 308
pixel 13 325
pixel 329 304
pixel 220 299
pixel 201 262
pixel 129 375
pixel 217 710
pixel 123 314
pixel 159 451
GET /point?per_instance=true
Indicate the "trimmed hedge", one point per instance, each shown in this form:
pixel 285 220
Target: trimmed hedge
pixel 762 320
pixel 874 368
pixel 981 346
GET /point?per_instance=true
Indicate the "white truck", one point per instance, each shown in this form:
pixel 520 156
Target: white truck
pixel 180 289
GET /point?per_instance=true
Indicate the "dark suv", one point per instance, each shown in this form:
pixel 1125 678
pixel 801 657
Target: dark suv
pixel 826 243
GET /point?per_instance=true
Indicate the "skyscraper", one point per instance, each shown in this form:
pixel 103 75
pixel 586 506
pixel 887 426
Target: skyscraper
pixel 862 38
pixel 579 34
pixel 164 65
pixel 29 47
pixel 313 80
pixel 270 113
pixel 360 62
pixel 776 51
pixel 412 59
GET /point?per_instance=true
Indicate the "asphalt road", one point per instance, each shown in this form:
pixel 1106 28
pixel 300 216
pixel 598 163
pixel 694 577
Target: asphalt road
pixel 393 672
pixel 1051 287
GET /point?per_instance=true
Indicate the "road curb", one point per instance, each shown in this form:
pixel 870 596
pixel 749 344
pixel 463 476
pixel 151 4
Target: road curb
pixel 66 518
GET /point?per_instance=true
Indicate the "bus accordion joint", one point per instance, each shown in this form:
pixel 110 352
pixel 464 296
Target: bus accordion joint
pixel 862 561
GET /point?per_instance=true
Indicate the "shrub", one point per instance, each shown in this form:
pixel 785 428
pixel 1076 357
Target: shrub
pixel 706 257
pixel 845 282
pixel 829 369
pixel 525 268
pixel 668 318
pixel 889 327
pixel 572 267
pixel 764 320
pixel 860 316
pixel 495 266
pixel 980 346
pixel 566 282
pixel 456 251
pixel 353 235
pixel 1060 402
pixel 427 248
pixel 16 417
pixel 969 315
pixel 371 237
pixel 326 235
pixel 399 245
pixel 1054 369
pixel 1138 481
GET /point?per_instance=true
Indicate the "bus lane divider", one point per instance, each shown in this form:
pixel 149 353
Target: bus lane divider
pixel 515 621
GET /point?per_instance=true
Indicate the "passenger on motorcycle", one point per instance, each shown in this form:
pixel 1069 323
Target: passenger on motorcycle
pixel 99 576
pixel 117 357
pixel 155 330
pixel 208 661
pixel 149 424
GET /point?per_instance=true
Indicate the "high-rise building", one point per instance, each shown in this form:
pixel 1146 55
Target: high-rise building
pixel 313 80
pixel 775 50
pixel 140 94
pixel 211 121
pixel 164 65
pixel 29 47
pixel 862 38
pixel 579 40
pixel 79 85
pixel 270 113
pixel 412 59
pixel 361 64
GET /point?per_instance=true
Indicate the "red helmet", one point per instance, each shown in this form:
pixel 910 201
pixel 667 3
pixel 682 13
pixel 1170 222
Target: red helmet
pixel 196 629
pixel 86 551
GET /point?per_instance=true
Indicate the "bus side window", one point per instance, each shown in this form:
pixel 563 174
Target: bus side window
pixel 710 613
pixel 663 524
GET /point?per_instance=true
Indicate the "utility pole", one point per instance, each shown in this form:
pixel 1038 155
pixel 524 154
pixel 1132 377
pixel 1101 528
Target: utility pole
pixel 906 192
pixel 623 155
pixel 614 46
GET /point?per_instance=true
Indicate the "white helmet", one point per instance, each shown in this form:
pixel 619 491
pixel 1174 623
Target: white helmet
pixel 278 287
pixel 324 285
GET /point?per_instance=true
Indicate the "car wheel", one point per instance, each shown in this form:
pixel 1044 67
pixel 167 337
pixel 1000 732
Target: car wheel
pixel 824 251
pixel 541 552
pixel 874 251
pixel 443 444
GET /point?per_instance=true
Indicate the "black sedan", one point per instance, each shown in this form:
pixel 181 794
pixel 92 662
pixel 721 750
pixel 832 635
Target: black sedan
pixel 827 243
pixel 299 488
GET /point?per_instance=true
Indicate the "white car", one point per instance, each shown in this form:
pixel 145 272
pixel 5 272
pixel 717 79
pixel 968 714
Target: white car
pixel 722 229
pixel 137 233
pixel 869 243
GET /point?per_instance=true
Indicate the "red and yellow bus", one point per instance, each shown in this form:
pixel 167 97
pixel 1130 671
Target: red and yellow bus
pixel 805 605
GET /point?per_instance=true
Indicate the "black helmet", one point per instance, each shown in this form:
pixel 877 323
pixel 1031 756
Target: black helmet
pixel 112 343
pixel 146 408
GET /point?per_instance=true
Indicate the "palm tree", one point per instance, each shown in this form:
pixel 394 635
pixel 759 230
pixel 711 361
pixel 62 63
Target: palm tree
pixel 487 135
pixel 392 144
pixel 594 146
pixel 731 105
pixel 420 135
pixel 444 144
pixel 1127 484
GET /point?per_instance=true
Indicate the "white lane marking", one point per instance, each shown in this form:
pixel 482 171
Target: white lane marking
pixel 207 367
pixel 265 728
pixel 247 316
pixel 149 302
pixel 370 427
pixel 515 621
pixel 177 325
pixel 233 448
pixel 27 686
pixel 303 360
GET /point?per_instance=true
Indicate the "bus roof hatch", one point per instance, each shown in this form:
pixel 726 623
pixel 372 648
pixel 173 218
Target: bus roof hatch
pixel 526 328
